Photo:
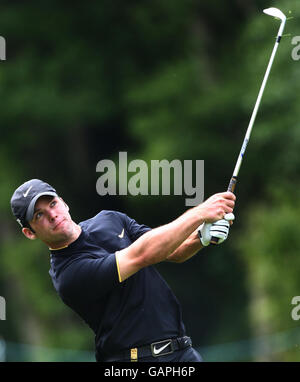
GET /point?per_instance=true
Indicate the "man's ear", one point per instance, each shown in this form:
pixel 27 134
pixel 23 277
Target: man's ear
pixel 28 233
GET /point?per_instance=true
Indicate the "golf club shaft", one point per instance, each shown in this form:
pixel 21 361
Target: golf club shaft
pixel 233 180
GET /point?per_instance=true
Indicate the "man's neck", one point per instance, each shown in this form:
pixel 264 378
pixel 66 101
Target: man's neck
pixel 76 232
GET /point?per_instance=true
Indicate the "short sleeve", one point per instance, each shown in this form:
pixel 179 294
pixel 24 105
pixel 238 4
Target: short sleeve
pixel 134 229
pixel 90 278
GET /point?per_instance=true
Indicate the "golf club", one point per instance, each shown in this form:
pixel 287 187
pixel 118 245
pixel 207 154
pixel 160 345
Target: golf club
pixel 275 12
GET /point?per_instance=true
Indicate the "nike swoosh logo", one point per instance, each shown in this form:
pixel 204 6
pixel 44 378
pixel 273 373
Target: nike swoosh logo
pixel 159 350
pixel 121 234
pixel 26 193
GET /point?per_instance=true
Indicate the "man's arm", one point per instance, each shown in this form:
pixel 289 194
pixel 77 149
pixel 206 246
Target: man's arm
pixel 187 249
pixel 193 243
pixel 158 244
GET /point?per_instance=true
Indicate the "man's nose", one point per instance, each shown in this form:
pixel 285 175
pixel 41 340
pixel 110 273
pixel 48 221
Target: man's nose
pixel 52 215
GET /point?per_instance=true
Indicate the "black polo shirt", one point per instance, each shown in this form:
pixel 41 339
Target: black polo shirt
pixel 138 311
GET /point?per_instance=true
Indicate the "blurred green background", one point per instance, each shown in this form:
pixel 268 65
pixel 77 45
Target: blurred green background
pixel 159 80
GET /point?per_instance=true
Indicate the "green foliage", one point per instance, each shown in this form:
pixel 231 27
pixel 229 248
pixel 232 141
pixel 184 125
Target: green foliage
pixel 159 80
pixel 270 249
pixel 30 293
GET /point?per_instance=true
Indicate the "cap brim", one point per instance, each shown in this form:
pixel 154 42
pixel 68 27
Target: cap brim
pixel 30 209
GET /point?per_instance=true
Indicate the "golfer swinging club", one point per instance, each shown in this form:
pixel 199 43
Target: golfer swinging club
pixel 102 268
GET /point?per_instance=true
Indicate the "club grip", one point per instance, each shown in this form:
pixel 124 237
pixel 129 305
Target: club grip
pixel 214 240
pixel 231 187
pixel 232 184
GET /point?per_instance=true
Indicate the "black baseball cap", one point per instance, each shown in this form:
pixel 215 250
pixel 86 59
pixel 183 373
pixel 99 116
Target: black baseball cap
pixel 24 199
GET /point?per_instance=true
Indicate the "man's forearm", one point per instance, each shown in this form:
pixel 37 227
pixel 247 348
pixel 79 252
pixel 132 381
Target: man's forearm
pixel 160 243
pixel 187 249
pixel 175 240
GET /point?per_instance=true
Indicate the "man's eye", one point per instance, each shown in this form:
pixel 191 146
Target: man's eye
pixel 52 204
pixel 38 215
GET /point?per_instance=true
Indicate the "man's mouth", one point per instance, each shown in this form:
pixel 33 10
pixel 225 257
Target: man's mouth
pixel 58 224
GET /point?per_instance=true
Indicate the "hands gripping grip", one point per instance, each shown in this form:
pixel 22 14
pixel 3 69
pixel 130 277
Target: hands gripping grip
pixel 231 187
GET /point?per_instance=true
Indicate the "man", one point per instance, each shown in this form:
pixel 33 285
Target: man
pixel 102 268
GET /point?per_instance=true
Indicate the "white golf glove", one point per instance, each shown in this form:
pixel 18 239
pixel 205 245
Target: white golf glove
pixel 218 229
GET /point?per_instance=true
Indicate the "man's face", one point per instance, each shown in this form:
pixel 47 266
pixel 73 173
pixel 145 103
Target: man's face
pixel 51 221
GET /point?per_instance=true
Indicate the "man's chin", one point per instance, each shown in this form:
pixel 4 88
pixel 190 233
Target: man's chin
pixel 60 240
pixel 60 237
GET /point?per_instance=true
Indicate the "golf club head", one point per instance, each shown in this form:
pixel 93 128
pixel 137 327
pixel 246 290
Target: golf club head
pixel 275 12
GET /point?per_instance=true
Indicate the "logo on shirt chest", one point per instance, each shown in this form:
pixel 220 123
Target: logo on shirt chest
pixel 121 234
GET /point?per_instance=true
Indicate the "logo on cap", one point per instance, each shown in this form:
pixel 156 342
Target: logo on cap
pixel 25 194
pixel 19 221
pixel 24 199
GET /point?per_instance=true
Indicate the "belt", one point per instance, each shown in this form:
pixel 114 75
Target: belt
pixel 156 349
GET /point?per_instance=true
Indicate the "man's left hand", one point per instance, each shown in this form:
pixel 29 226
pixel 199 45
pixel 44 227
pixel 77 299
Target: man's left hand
pixel 218 229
